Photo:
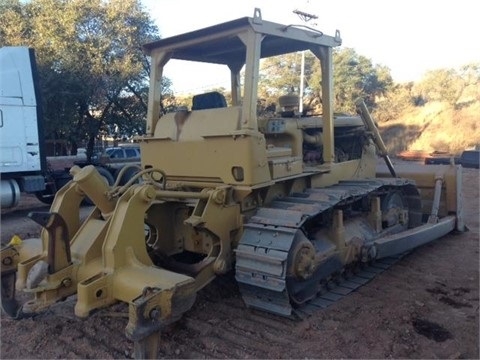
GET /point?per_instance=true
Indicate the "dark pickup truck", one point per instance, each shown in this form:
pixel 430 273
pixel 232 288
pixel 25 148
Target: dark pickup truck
pixel 112 160
pixel 468 159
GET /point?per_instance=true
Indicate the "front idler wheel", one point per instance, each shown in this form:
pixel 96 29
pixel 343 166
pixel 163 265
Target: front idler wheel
pixel 302 284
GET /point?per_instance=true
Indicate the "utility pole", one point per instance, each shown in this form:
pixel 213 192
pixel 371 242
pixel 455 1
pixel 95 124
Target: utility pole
pixel 306 17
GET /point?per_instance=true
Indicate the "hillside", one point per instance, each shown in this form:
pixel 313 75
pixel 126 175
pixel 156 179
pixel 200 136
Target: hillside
pixel 436 126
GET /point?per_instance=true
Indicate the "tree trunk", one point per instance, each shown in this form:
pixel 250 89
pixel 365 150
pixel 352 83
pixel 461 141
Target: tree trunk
pixel 90 145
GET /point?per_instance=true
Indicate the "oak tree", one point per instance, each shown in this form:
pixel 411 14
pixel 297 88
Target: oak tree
pixel 93 74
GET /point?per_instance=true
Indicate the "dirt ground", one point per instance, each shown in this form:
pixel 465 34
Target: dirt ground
pixel 425 306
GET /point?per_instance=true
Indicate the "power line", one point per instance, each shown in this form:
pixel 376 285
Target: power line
pixel 305 16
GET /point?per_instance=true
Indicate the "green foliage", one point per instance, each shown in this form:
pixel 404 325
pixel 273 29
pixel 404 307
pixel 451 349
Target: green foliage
pixel 453 86
pixel 93 74
pixel 280 74
pixel 421 115
pixel 394 102
pixel 354 76
pixel 440 85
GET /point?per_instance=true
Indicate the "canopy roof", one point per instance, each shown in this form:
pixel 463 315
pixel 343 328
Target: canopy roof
pixel 220 44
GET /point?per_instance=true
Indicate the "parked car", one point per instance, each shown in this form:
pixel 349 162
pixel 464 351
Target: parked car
pixel 123 152
pixel 110 161
pixel 115 152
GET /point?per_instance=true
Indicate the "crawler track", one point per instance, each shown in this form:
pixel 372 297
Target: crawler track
pixel 334 291
pixel 262 257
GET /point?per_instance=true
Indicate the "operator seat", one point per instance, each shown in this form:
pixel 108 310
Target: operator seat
pixel 210 100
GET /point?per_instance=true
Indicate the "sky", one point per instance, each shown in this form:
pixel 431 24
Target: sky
pixel 410 37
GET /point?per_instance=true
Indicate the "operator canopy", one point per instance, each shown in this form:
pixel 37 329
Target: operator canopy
pixel 219 44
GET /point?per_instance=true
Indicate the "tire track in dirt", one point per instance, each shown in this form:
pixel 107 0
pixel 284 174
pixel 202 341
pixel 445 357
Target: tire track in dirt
pixel 220 326
pixel 66 336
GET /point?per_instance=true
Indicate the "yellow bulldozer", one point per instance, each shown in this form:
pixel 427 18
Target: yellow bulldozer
pixel 287 202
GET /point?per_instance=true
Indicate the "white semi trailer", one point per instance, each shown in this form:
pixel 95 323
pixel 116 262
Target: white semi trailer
pixel 21 153
pixel 23 163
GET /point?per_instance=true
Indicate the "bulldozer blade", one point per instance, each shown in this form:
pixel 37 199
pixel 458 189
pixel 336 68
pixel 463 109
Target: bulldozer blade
pixel 402 242
pixel 9 304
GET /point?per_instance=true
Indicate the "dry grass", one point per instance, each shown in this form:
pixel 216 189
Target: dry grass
pixel 435 126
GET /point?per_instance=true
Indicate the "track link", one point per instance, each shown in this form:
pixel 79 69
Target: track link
pixel 262 254
pixel 336 290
